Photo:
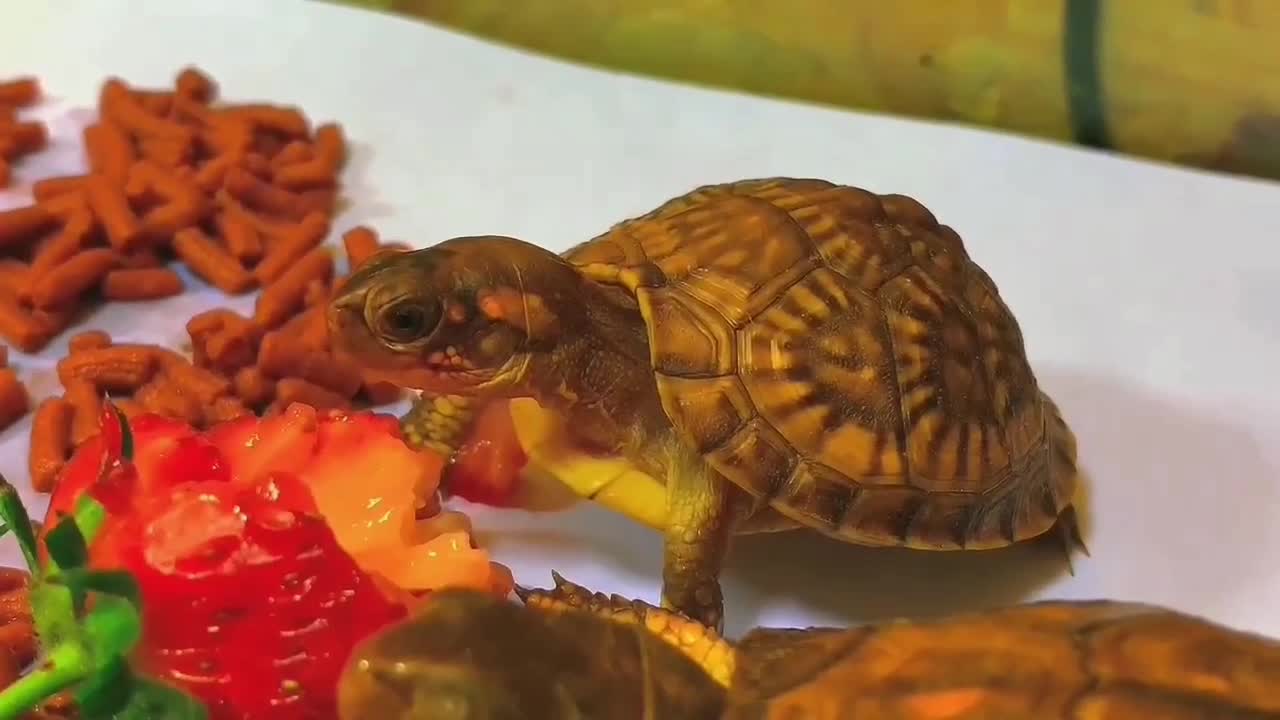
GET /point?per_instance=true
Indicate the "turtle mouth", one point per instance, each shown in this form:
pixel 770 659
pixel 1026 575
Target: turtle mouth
pixel 446 380
pixel 457 382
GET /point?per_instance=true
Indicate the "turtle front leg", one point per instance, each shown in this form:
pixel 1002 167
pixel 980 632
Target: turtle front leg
pixel 439 423
pixel 701 511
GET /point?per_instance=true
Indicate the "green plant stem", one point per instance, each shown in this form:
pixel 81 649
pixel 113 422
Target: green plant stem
pixel 69 664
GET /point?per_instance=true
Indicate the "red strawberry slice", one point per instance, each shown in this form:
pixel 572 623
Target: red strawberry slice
pixel 250 605
pixel 256 447
pixel 266 548
pixel 487 467
pixel 156 441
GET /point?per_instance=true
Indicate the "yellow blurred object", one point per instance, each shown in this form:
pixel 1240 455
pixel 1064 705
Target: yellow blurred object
pixel 1188 81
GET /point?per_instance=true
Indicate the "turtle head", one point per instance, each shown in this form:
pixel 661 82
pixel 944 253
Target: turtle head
pixel 439 664
pixel 465 316
pixel 470 655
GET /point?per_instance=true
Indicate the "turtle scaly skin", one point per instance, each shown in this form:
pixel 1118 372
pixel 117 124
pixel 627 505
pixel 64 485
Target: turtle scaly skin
pixel 472 656
pixel 763 355
pixel 1053 660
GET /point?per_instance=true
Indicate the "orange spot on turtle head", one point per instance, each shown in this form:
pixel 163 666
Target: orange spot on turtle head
pixel 524 311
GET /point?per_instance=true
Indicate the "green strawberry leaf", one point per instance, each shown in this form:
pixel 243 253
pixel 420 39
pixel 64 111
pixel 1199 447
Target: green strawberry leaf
pixel 90 515
pixel 117 583
pixel 152 700
pixel 14 515
pixel 126 435
pixel 66 545
pixel 111 628
pixel 107 691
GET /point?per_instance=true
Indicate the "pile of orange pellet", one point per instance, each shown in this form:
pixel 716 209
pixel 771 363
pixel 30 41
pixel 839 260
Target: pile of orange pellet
pixel 18 138
pixel 242 195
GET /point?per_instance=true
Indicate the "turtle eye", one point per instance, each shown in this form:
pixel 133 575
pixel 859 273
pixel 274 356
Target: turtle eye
pixel 405 321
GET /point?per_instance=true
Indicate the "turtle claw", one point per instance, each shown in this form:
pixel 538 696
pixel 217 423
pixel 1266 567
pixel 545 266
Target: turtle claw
pixel 699 642
pixel 564 594
pixel 568 595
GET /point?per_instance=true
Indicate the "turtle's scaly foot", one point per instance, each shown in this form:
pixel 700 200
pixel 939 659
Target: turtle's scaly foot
pixel 701 511
pixel 700 643
pixel 703 602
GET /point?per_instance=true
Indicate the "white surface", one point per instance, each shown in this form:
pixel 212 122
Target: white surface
pixel 1149 296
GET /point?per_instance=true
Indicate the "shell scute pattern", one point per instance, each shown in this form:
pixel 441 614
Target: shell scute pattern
pixel 837 354
pixel 1053 660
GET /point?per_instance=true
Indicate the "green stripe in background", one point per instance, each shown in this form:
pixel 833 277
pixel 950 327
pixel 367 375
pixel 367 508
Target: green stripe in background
pixel 1081 37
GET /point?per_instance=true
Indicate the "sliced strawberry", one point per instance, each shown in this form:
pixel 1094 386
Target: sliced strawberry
pixel 250 605
pixel 367 482
pixel 487 467
pixel 257 447
pixel 244 540
pixel 153 456
pixel 448 560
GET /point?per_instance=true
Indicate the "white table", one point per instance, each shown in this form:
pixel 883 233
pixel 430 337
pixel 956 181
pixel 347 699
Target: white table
pixel 1149 296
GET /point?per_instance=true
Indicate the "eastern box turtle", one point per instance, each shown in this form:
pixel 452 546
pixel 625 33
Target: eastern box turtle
pixel 762 355
pixel 568 654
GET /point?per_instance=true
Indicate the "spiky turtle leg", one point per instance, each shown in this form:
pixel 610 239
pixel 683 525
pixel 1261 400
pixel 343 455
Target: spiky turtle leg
pixel 439 423
pixel 700 643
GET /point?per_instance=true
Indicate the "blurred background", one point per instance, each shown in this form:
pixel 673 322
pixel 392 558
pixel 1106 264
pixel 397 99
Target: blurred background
pixel 1191 82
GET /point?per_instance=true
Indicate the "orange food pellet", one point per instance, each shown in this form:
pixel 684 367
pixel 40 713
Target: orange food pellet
pixel 20 91
pixel 63 285
pixel 165 397
pixel 22 224
pixel 117 368
pixel 208 260
pixel 224 409
pixel 86 403
pixel 25 329
pixel 240 236
pixel 50 442
pixel 201 383
pixel 111 208
pixel 54 186
pixel 141 284
pixel 63 246
pixel 14 401
pixel 253 387
pixel 282 298
pixel 88 340
pixel 279 357
pixel 109 150
pixel 292 245
pixel 361 243
pixel 193 84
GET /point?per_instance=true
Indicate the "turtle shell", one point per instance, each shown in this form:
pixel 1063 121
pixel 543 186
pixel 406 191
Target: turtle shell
pixel 1050 661
pixel 838 355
